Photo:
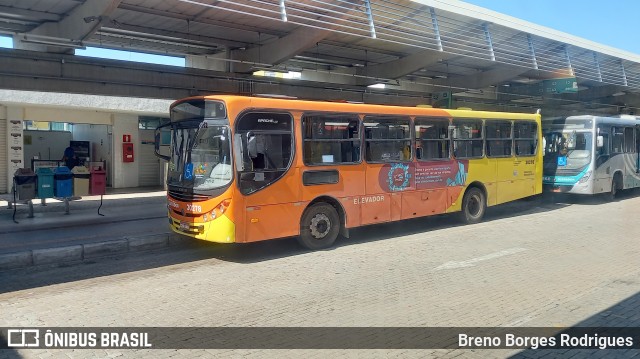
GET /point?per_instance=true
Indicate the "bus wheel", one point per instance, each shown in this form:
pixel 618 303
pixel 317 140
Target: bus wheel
pixel 319 227
pixel 616 184
pixel 474 205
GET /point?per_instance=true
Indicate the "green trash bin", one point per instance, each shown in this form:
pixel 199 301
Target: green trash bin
pixel 45 182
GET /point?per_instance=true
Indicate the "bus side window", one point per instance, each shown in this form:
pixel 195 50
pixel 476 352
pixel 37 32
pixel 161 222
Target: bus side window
pixel 331 138
pixel 387 138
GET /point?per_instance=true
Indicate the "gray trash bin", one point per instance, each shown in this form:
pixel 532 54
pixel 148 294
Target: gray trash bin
pixel 25 183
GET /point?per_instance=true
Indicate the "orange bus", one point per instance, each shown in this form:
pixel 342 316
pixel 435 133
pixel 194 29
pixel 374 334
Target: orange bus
pixel 245 169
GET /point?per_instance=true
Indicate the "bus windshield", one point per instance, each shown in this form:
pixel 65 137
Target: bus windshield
pixel 200 157
pixel 567 150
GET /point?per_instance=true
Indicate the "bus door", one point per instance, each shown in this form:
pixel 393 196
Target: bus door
pixel 499 151
pixel 525 137
pixel 332 156
pixel 435 172
pixel 389 171
pixel 264 152
pixel 602 169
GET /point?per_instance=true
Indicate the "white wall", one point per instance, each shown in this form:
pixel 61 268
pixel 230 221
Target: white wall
pixel 125 174
pixel 52 114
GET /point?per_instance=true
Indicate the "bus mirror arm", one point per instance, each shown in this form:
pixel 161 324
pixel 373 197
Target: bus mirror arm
pixel 157 140
pixel 252 145
pixel 239 152
pixel 600 141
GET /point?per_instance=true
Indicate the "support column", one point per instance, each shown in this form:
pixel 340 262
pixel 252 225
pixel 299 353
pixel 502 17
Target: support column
pixel 125 174
pixel 4 161
pixel 15 143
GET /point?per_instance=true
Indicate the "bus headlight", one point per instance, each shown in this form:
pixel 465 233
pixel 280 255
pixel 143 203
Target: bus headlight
pixel 585 178
pixel 220 209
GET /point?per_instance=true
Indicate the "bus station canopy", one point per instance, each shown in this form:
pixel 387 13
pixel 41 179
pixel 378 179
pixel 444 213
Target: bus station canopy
pixel 421 51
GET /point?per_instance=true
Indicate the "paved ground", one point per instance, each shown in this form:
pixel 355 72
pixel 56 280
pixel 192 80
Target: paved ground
pixel 125 221
pixel 530 264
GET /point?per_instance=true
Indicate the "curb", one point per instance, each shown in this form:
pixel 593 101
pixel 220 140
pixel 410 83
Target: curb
pixel 81 252
pixel 70 222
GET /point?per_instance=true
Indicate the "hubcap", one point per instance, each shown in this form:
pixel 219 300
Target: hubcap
pixel 320 226
pixel 474 206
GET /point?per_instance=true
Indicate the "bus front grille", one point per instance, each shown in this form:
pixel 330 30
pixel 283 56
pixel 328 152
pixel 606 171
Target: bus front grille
pixel 188 197
pixel 562 171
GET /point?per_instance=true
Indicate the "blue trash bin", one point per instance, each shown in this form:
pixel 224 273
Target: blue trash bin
pixel 63 182
pixel 45 182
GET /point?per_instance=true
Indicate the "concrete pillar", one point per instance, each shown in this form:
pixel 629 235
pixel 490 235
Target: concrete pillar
pixel 125 174
pixel 15 142
pixel 4 147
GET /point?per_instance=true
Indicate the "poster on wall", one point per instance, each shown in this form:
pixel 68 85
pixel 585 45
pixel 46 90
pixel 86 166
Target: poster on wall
pixel 16 146
pixel 15 126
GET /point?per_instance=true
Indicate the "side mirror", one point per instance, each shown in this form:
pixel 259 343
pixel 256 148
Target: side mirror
pixel 600 141
pixel 158 139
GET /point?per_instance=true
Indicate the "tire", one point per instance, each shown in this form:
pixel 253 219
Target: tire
pixel 615 188
pixel 474 205
pixel 319 226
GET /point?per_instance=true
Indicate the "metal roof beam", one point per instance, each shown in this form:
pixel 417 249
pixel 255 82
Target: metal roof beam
pixel 11 12
pixel 184 38
pixel 82 22
pixel 219 24
pixel 483 79
pixel 277 51
pixel 401 67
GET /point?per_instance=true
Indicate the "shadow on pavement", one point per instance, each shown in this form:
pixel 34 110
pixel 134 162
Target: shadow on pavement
pixel 621 319
pixel 195 250
pixel 593 200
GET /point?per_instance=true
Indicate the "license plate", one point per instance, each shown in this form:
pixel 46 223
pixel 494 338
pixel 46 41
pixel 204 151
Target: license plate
pixel 184 226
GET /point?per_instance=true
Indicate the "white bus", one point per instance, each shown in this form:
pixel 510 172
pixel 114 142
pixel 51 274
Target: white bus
pixel 591 154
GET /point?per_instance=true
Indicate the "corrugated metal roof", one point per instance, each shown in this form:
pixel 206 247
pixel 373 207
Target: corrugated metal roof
pixel 362 33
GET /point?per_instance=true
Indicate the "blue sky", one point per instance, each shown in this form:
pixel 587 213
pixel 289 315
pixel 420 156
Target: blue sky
pixel 116 54
pixel 131 56
pixel 610 23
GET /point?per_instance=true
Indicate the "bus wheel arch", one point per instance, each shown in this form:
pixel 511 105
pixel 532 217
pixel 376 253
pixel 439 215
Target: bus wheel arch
pixel 321 223
pixel 474 203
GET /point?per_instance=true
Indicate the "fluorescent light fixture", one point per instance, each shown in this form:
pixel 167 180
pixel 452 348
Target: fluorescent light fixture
pixel 278 74
pixel 619 93
pixel 377 86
